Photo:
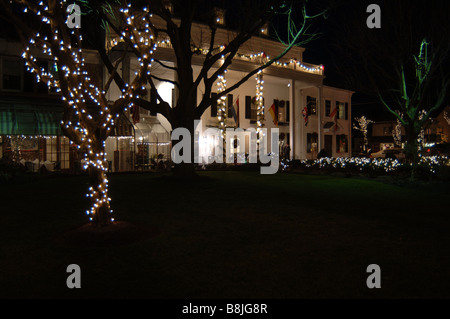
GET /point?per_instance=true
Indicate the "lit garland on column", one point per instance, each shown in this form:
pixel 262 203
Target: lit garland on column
pixel 222 105
pixel 259 104
pixel 89 133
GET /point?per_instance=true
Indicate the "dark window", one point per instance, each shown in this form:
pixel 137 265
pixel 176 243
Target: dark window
pixel 346 110
pixel 12 74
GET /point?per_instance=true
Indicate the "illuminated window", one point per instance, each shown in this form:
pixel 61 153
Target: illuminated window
pixel 311 104
pixel 265 29
pixel 219 16
pixel 168 5
pixel 342 110
pixel 51 149
pixel 64 152
pixel 341 143
pixel 311 142
pixel 387 130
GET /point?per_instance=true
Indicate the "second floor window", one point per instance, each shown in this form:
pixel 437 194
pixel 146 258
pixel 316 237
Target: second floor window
pixel 11 74
pixel 342 110
pixel 311 104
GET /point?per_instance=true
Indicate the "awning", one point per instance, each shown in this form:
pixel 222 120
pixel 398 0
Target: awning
pixel 6 122
pixel 48 124
pixel 328 124
pixel 27 119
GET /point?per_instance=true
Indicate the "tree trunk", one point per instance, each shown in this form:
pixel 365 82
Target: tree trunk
pixel 412 148
pixel 184 117
pixel 100 211
pixel 186 170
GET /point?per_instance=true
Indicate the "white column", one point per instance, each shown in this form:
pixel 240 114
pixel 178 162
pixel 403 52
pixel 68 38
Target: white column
pixel 292 118
pixel 299 126
pixel 319 118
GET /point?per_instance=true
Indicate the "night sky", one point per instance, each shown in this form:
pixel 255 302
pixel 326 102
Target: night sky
pixel 346 21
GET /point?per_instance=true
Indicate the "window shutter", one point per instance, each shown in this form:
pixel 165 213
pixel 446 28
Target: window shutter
pixel 287 111
pixel 346 110
pixel 308 104
pixel 337 109
pixel 327 107
pixel 308 142
pixel 276 103
pixel 230 105
pixel 248 107
pixel 214 105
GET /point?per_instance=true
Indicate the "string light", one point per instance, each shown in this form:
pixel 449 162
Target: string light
pixel 221 105
pixel 93 125
pixel 385 165
pixel 259 105
pixel 446 117
pixel 397 133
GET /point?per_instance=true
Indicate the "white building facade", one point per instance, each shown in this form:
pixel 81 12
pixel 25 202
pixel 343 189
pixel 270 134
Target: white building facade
pixel 309 115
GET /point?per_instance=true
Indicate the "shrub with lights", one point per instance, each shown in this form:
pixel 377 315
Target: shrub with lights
pixel 431 167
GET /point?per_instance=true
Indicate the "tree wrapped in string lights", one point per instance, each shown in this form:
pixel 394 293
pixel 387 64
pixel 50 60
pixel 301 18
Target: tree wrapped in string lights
pixel 88 117
pixel 397 133
pixel 362 126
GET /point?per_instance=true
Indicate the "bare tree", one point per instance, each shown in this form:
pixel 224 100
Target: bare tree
pixel 404 63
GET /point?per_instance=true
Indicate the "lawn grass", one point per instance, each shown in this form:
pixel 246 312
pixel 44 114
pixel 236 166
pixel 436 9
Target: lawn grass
pixel 228 235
